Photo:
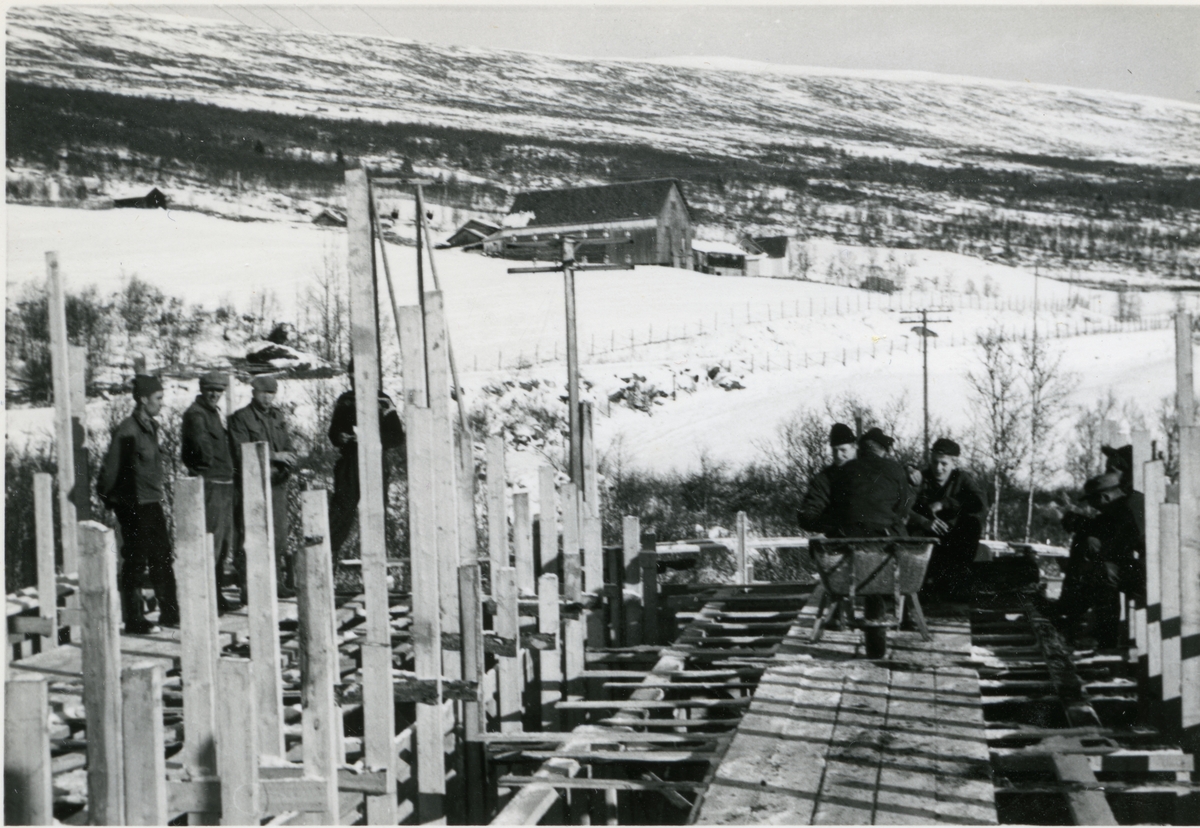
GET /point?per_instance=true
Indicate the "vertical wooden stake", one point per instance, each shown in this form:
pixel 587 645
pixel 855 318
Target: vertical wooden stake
pixel 1169 552
pixel 1185 389
pixel 740 556
pixel 523 543
pixel 631 546
pixel 470 594
pixel 571 541
pixel 378 700
pixel 261 608
pixel 102 674
pixel 649 567
pixel 548 525
pixel 28 790
pixel 550 661
pixel 1141 456
pixel 198 630
pixel 573 626
pixel 47 581
pixel 81 496
pixel 509 667
pixel 1189 575
pixel 614 597
pixel 60 368
pixel 145 763
pixel 1155 494
pixel 497 504
pixel 237 742
pixel 323 752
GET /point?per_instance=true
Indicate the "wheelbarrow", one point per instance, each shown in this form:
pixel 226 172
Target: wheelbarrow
pixel 872 567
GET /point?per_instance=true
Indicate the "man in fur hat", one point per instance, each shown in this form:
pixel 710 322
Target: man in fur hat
pixel 131 484
pixel 206 452
pixel 263 422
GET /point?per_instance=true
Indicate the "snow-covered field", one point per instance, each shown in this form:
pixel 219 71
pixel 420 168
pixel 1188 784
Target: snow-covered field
pixel 787 357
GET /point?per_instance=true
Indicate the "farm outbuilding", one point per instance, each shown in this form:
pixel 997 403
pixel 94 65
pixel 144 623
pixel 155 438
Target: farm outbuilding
pixel 653 215
pixel 330 217
pixel 773 256
pixel 470 234
pixel 151 200
pixel 719 258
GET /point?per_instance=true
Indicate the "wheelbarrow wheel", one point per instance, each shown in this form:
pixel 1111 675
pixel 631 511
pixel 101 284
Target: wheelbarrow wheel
pixel 876 641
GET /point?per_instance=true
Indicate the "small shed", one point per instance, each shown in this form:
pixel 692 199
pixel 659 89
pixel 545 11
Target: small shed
pixel 470 234
pixel 151 200
pixel 330 217
pixel 719 258
pixel 773 256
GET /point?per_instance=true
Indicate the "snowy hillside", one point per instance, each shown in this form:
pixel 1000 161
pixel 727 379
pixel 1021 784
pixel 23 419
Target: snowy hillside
pixel 732 109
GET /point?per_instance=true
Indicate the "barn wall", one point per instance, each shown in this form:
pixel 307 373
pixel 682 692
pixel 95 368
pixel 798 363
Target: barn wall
pixel 674 237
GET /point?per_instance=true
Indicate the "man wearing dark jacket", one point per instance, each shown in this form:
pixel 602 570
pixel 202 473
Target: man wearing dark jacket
pixel 263 422
pixel 952 507
pixel 206 453
pixel 131 484
pixel 861 495
pixel 343 433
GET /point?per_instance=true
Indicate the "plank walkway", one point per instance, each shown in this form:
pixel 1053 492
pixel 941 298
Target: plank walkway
pixel 834 739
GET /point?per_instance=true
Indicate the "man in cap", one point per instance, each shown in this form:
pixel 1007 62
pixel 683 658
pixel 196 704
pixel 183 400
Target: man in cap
pixel 131 484
pixel 343 433
pixel 206 453
pixel 952 507
pixel 1120 461
pixel 875 442
pixel 816 514
pixel 1107 555
pixel 263 422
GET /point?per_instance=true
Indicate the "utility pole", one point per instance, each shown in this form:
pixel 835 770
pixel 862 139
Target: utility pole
pixel 568 266
pixel 925 332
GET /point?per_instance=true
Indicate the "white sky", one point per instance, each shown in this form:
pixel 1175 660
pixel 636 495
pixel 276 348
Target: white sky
pixel 1142 49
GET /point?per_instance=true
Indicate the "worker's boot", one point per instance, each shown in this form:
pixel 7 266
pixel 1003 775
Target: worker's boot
pixel 131 610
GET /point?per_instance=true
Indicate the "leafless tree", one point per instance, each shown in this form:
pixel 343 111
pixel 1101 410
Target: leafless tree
pixel 997 403
pixel 327 312
pixel 1047 387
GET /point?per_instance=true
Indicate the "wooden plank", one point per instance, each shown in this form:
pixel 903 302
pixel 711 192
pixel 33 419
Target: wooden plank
pixel 739 557
pixel 1189 571
pixel 548 522
pixel 470 592
pixel 28 790
pixel 1141 456
pixel 323 750
pixel 631 545
pixel 1168 548
pixel 572 543
pixel 523 544
pixel 1185 388
pixel 198 632
pixel 550 673
pixel 237 742
pixel 60 369
pixel 497 503
pixel 1088 807
pixel 145 766
pixel 1154 489
pixel 964 791
pixel 852 763
pixel 412 355
pixel 81 495
pixel 907 790
pixel 644 704
pixel 101 649
pixel 622 756
pixel 262 609
pixel 597 784
pixel 649 569
pixel 378 704
pixel 507 625
pixel 47 580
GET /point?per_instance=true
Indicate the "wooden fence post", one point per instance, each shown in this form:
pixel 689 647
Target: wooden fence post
pixel 550 660
pixel 426 614
pixel 47 580
pixel 28 790
pixel 237 742
pixel 523 544
pixel 198 631
pixel 497 504
pixel 508 667
pixel 573 625
pixel 1189 578
pixel 548 524
pixel 81 492
pixel 631 536
pixel 101 651
pixel 1169 552
pixel 740 557
pixel 262 609
pixel 378 697
pixel 648 559
pixel 470 595
pixel 1155 493
pixel 60 370
pixel 145 764
pixel 323 749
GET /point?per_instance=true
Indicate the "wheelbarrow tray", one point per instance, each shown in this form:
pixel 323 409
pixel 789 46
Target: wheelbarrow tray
pixel 870 566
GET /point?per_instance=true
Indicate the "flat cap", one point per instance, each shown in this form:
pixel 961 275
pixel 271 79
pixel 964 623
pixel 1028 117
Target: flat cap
pixel 144 385
pixel 946 446
pixel 840 434
pixel 1101 483
pixel 213 381
pixel 876 436
pixel 263 383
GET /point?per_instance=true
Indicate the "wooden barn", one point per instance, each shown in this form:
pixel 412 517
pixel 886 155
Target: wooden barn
pixel 719 258
pixel 470 234
pixel 654 214
pixel 151 200
pixel 774 256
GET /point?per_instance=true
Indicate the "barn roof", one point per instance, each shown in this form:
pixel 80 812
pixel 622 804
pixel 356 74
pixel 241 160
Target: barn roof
pixel 718 247
pixel 774 246
pixel 587 205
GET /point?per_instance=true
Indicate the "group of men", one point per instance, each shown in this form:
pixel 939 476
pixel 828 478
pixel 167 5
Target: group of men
pixel 867 493
pixel 131 484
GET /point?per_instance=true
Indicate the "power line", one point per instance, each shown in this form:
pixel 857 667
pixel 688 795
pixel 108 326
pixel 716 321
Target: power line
pixel 237 20
pixel 313 19
pixel 279 14
pixel 376 22
pixel 259 19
